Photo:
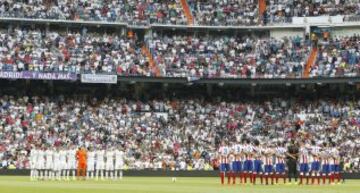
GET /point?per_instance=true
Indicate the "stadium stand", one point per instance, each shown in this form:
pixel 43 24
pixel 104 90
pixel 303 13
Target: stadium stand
pixel 229 56
pixel 174 133
pixel 213 12
pixel 179 12
pixel 284 10
pixel 134 12
pixel 173 54
pixel 25 49
pixel 338 56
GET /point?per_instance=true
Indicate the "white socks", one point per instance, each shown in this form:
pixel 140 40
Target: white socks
pixel 65 174
pixel 73 174
pixel 118 174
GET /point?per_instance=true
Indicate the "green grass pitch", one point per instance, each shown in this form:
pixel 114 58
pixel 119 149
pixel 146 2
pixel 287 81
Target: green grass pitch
pixel 161 185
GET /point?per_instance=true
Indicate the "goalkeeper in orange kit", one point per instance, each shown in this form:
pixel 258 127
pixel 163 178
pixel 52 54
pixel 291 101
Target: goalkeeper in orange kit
pixel 81 155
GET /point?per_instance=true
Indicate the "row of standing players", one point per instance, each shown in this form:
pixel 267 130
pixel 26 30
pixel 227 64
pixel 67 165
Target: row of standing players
pixel 271 161
pixel 61 163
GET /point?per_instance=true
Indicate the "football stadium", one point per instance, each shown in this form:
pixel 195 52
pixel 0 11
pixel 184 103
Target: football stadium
pixel 188 96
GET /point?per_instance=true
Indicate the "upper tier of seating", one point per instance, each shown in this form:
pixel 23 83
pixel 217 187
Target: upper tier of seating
pixel 204 12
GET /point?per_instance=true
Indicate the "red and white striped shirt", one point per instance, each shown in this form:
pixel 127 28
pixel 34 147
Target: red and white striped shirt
pixel 315 154
pixel 238 149
pixel 249 150
pixel 267 156
pixel 280 155
pixel 224 152
pixel 258 152
pixel 325 156
pixel 304 155
pixel 335 157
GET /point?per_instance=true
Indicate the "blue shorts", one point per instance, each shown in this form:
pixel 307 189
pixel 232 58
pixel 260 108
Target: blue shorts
pixel 248 166
pixel 315 166
pixel 268 168
pixel 335 168
pixel 257 167
pixel 325 169
pixel 224 167
pixel 304 168
pixel 280 168
pixel 236 166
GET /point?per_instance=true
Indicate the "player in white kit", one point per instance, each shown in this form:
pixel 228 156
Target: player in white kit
pixel 100 164
pixel 119 163
pixel 109 166
pixel 33 160
pixel 90 164
pixel 71 163
pixel 40 162
pixel 49 166
pixel 57 166
pixel 63 162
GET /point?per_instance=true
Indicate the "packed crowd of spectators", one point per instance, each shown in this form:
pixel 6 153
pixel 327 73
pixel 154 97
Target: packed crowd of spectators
pixel 78 51
pixel 205 12
pixel 338 56
pixel 140 12
pixel 225 12
pixel 284 10
pixel 165 12
pixel 175 54
pixel 229 56
pixel 172 133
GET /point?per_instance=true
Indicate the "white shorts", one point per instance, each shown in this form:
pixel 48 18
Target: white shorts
pixel 71 165
pixel 109 166
pixel 40 165
pixel 62 166
pixel 49 165
pixel 57 167
pixel 32 165
pixel 100 166
pixel 119 165
pixel 91 165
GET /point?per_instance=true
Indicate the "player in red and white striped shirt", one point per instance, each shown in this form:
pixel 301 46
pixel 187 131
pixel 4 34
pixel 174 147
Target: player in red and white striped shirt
pixel 325 162
pixel 268 155
pixel 304 162
pixel 249 161
pixel 334 164
pixel 224 151
pixel 239 160
pixel 315 162
pixel 280 155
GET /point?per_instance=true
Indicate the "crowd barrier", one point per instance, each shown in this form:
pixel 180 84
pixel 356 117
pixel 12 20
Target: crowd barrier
pixel 157 173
